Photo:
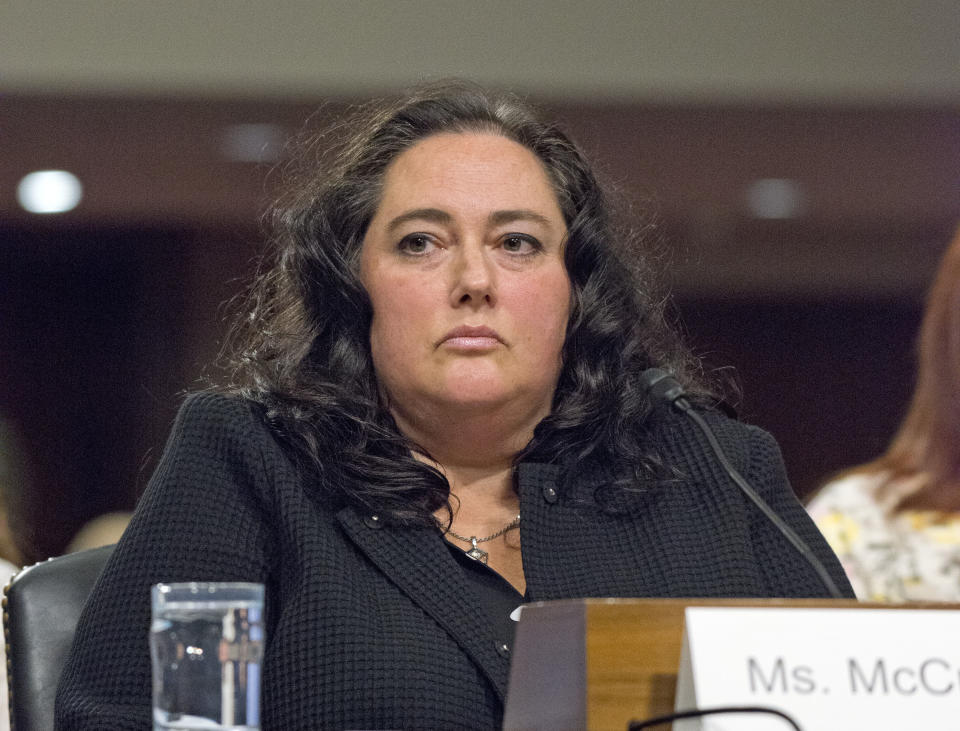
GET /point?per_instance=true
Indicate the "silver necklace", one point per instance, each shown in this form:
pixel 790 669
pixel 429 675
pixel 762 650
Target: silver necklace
pixel 477 553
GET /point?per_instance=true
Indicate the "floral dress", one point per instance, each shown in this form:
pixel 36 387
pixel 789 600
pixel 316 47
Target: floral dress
pixel 911 555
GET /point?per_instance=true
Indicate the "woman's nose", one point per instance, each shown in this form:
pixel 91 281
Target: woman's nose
pixel 474 277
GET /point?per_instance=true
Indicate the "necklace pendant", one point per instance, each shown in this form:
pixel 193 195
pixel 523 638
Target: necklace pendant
pixel 477 553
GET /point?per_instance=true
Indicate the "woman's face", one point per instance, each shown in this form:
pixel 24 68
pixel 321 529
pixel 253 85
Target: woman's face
pixel 463 262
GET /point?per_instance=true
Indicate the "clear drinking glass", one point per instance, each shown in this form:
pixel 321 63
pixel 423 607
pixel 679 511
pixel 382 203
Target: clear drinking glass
pixel 206 643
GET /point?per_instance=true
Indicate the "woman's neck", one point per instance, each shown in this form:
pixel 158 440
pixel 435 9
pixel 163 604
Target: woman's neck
pixel 482 502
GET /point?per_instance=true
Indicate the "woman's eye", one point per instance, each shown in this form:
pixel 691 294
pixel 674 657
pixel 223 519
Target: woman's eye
pixel 415 244
pixel 520 244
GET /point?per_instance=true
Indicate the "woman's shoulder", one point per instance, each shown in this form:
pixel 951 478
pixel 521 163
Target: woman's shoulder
pixel 215 412
pixel 855 482
pixel 746 446
pixel 217 407
pixel 223 426
pixel 854 496
pixel 860 488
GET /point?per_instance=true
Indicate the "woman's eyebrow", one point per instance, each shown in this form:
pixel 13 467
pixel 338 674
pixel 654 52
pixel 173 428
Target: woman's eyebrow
pixel 434 215
pixel 498 218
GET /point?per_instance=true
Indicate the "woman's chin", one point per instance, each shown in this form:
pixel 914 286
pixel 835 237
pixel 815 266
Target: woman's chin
pixel 491 397
pixel 475 399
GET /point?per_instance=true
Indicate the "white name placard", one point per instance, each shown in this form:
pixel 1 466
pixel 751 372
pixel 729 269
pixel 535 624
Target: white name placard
pixel 829 669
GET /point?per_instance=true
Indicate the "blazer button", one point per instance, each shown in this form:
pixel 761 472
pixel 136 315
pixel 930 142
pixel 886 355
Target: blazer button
pixel 550 495
pixel 503 649
pixel 373 521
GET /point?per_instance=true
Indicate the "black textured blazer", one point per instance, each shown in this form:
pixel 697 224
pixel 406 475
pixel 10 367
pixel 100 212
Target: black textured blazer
pixel 375 627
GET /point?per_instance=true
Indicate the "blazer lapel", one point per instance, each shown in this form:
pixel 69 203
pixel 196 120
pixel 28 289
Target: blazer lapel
pixel 420 564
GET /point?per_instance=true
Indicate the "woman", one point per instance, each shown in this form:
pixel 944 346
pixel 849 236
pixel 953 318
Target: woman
pixel 437 415
pixel 895 522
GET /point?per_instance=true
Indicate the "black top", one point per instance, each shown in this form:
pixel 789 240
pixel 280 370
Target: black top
pixel 373 626
pixel 494 593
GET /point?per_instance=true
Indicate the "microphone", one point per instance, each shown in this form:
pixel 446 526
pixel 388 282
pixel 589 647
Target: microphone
pixel 664 389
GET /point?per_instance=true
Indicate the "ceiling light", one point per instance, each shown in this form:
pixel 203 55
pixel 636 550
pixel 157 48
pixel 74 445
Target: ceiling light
pixel 49 191
pixel 775 198
pixel 252 142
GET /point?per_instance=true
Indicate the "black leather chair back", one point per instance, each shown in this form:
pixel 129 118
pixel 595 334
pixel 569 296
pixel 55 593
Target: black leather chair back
pixel 41 606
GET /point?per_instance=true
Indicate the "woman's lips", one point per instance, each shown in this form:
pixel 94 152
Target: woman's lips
pixel 468 338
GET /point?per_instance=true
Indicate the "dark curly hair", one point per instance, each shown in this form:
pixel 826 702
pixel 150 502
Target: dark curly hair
pixel 301 347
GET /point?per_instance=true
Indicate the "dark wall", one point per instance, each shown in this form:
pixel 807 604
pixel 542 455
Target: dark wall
pixel 831 379
pixel 100 332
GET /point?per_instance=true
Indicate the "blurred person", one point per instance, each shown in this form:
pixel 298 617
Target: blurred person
pixel 102 530
pixel 12 477
pixel 436 414
pixel 895 522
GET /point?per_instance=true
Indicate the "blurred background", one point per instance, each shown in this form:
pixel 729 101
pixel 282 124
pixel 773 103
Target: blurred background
pixel 802 159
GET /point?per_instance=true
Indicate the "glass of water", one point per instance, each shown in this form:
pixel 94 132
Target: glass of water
pixel 206 644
